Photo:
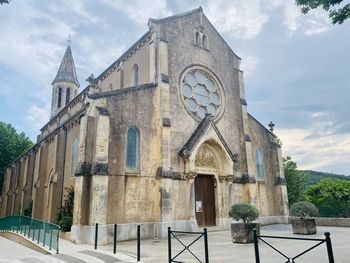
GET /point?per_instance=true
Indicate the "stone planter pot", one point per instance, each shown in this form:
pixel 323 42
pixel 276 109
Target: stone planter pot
pixel 304 226
pixel 243 233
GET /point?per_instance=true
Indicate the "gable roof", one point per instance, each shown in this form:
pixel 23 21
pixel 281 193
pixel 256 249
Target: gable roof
pixel 66 71
pixel 173 17
pixel 203 126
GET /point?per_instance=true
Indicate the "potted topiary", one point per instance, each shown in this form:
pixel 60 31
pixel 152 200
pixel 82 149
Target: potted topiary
pixel 243 232
pixel 304 225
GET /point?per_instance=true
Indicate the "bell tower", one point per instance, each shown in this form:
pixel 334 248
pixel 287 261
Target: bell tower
pixel 65 85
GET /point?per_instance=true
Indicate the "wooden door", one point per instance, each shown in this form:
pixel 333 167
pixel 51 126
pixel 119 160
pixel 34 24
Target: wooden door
pixel 205 200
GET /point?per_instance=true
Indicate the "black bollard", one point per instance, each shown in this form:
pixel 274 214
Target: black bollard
pixel 96 235
pixel 138 243
pixel 115 239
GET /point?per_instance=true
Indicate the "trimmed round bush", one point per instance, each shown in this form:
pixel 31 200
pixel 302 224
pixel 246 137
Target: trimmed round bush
pixel 245 212
pixel 303 209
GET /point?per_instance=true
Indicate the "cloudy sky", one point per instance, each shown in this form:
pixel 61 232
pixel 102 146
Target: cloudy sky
pixel 296 66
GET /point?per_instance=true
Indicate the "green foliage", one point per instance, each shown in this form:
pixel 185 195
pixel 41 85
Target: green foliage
pixel 303 209
pixel 28 211
pixel 313 177
pixel 246 212
pixel 295 180
pixel 65 217
pixel 12 145
pixel 337 11
pixel 331 196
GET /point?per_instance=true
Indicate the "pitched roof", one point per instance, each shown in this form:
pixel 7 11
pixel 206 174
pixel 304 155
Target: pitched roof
pixel 67 72
pixel 203 126
pixel 169 18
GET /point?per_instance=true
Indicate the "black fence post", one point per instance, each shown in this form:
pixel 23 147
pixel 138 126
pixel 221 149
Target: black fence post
pixel 169 244
pixel 96 235
pixel 256 247
pixel 138 243
pixel 115 239
pixel 329 247
pixel 206 246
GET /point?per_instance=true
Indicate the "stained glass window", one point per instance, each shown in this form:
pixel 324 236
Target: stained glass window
pixel 201 93
pixel 132 149
pixel 74 155
pixel 260 169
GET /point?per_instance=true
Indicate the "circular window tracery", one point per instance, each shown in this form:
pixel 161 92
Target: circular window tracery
pixel 201 93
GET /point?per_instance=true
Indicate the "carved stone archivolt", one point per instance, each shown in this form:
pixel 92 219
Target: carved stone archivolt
pixel 205 158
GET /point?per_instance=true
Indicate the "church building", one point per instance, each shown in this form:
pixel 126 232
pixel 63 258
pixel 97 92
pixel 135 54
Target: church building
pixel 162 137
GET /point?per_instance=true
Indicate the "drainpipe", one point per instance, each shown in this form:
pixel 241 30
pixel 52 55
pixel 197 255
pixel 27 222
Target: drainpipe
pixel 31 188
pixel 63 164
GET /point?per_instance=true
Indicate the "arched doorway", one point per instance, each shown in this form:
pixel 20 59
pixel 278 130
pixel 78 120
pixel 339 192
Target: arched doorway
pixel 205 200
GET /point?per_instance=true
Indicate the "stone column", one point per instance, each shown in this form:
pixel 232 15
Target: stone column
pixel 249 177
pixel 22 187
pixel 99 183
pixel 82 176
pixel 281 195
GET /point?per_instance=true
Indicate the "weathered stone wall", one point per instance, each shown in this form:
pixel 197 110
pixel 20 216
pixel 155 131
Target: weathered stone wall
pixel 266 141
pixel 220 60
pixel 134 197
pixel 122 76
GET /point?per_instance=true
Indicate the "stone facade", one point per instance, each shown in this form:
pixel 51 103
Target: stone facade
pixel 143 94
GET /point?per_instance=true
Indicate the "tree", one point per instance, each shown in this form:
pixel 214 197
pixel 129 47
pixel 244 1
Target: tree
pixel 295 180
pixel 337 12
pixel 12 145
pixel 332 197
pixel 5 1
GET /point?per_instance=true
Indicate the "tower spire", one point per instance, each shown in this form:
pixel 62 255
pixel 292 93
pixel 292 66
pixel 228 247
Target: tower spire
pixel 66 71
pixel 65 86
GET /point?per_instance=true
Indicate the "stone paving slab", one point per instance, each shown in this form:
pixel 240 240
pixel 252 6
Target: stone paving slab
pixel 103 257
pixel 222 250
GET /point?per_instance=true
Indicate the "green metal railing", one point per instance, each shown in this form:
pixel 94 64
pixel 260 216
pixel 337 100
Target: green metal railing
pixel 45 234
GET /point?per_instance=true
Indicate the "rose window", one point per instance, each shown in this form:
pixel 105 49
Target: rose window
pixel 201 93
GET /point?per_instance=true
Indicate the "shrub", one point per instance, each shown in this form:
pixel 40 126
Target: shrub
pixel 28 210
pixel 65 216
pixel 245 212
pixel 303 209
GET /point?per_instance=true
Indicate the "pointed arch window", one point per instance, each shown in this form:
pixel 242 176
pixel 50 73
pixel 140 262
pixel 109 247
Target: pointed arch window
pixel 135 75
pixel 133 149
pixel 74 161
pixel 205 42
pixel 197 39
pixel 59 98
pixel 67 95
pixel 260 168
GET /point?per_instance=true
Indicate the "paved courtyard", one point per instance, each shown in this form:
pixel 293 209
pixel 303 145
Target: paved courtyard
pixel 221 249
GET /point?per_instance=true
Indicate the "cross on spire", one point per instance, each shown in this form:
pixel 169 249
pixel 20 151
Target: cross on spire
pixel 271 125
pixel 69 40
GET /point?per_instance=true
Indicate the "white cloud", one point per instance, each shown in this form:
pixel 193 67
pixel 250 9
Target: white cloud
pixel 315 153
pixel 241 19
pixel 139 10
pixel 38 116
pixel 315 22
pixel 249 63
